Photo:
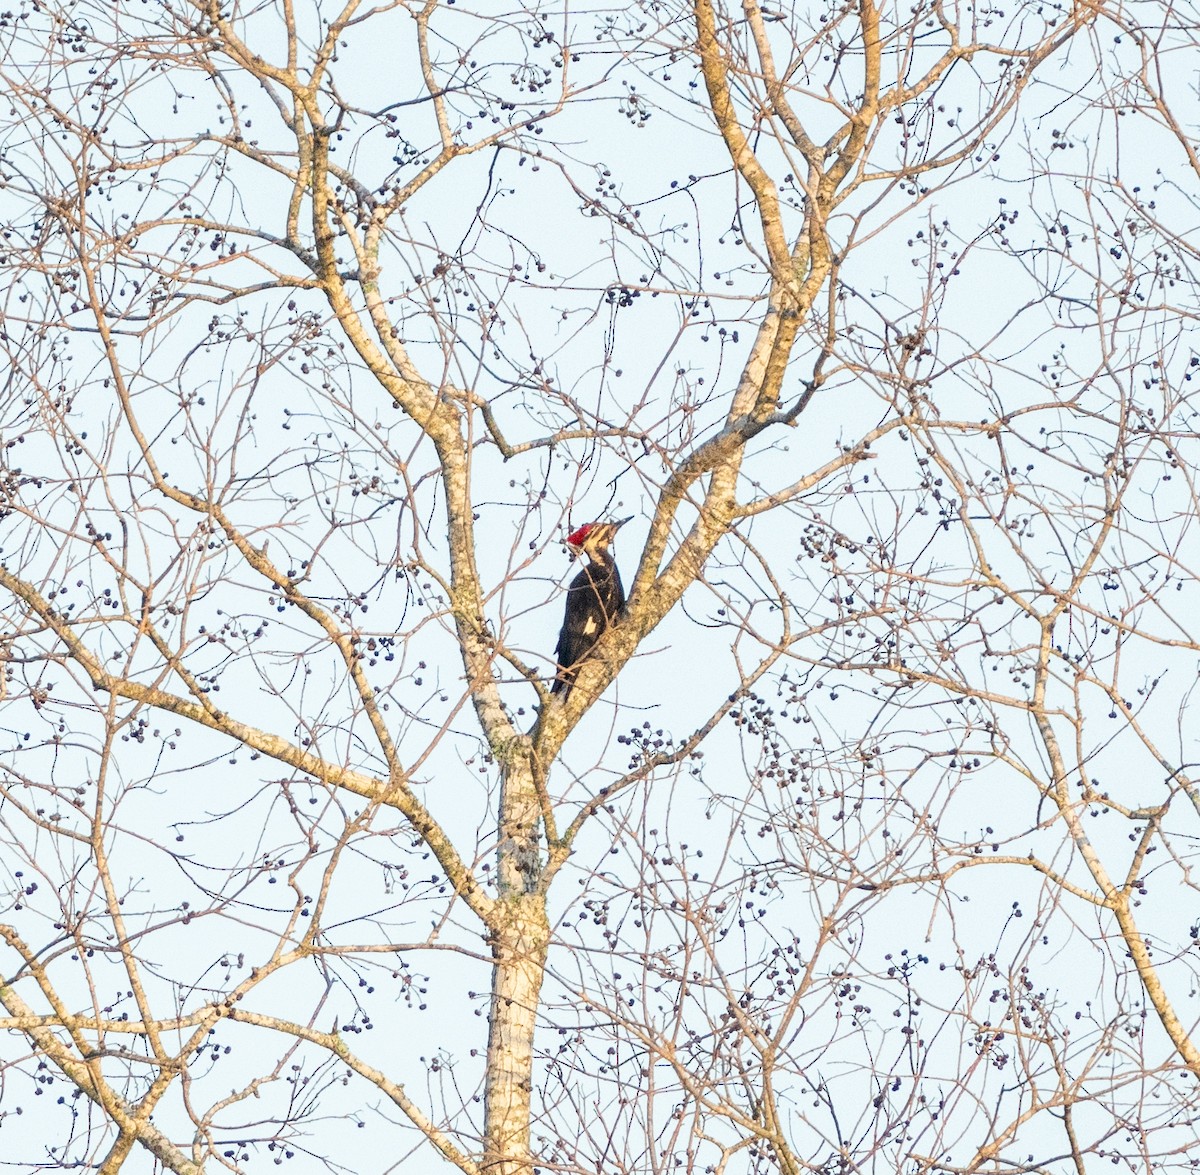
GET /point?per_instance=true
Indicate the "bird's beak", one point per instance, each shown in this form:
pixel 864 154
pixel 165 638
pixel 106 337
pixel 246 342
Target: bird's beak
pixel 620 522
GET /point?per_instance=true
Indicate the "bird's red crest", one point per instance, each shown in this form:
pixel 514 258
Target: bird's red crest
pixel 576 538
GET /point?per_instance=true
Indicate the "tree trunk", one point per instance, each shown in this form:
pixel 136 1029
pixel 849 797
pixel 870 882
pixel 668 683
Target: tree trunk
pixel 519 935
pixel 519 951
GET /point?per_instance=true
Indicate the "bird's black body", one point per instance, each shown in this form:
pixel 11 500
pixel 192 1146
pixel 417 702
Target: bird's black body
pixel 594 600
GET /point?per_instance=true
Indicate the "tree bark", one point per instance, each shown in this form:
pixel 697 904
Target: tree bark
pixel 519 964
pixel 519 933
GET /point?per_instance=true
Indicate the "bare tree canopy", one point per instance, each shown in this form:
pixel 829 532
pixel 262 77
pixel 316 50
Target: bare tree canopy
pixel 862 841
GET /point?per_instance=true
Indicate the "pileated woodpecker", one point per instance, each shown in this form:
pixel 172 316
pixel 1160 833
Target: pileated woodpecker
pixel 594 600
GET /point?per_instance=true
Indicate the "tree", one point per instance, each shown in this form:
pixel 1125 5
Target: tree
pixel 861 843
